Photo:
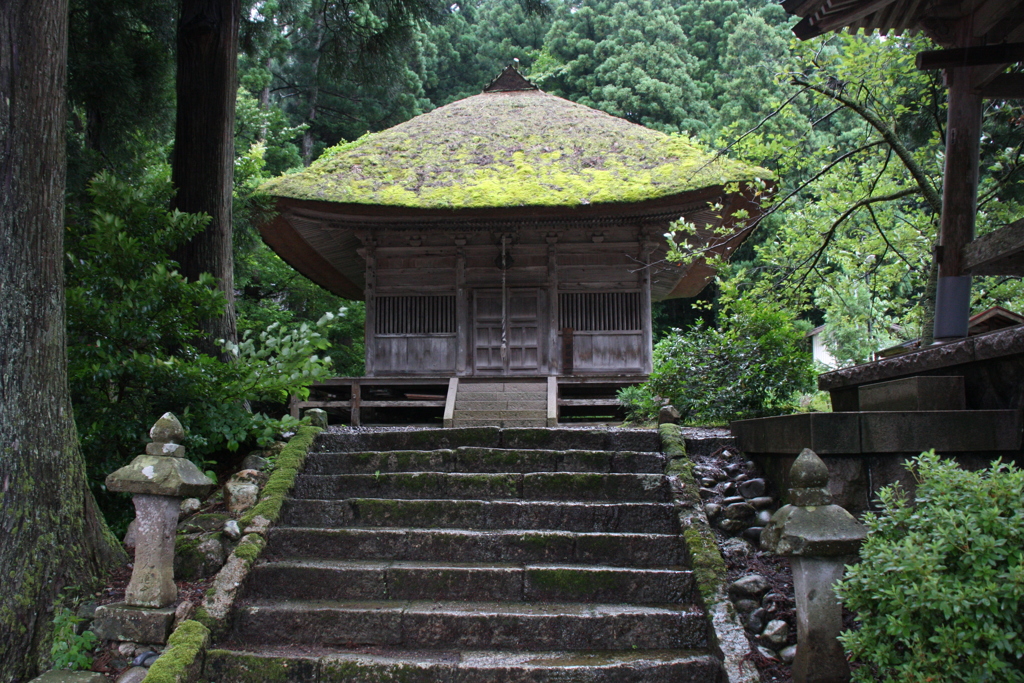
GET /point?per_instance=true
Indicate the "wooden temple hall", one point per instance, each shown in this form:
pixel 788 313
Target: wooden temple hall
pixel 508 247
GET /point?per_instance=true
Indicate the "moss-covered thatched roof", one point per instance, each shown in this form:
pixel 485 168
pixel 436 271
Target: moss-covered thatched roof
pixel 505 149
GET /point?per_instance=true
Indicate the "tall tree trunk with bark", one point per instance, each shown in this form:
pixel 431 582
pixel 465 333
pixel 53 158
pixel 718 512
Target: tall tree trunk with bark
pixel 204 149
pixel 314 95
pixel 51 535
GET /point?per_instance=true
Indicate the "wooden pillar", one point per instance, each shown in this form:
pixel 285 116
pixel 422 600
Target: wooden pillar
pixel 355 404
pixel 959 198
pixel 647 247
pixel 553 351
pixel 370 253
pixel 461 310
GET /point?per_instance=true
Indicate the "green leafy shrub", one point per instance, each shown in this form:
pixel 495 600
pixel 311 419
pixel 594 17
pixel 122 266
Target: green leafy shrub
pixel 70 650
pixel 753 366
pixel 133 328
pixel 640 403
pixel 939 590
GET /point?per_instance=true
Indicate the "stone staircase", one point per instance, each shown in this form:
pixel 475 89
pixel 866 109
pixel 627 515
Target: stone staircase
pixel 501 403
pixel 475 555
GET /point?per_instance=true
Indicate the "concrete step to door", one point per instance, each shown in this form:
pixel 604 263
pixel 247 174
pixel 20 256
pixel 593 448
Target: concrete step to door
pixel 471 459
pixel 577 486
pixel 510 387
pixel 502 414
pixel 433 624
pixel 401 666
pixel 504 424
pixel 500 404
pixel 466 545
pixel 557 438
pixel 379 580
pixel 651 518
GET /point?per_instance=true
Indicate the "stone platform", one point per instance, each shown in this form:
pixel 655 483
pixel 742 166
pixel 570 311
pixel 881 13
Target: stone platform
pixel 964 399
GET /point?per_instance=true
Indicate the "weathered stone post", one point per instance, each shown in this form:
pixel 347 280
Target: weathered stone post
pixel 821 538
pixel 160 479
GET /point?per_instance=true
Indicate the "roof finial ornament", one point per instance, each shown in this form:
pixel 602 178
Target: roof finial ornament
pixel 510 80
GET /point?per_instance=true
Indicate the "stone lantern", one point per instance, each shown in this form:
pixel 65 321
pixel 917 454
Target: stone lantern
pixel 159 480
pixel 821 539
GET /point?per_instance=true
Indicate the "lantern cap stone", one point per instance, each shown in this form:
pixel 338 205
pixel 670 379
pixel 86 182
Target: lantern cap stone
pixel 167 430
pixel 823 531
pixel 160 475
pixel 811 525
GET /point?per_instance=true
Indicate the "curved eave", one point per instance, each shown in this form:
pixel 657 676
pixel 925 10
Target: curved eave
pixel 699 274
pixel 287 241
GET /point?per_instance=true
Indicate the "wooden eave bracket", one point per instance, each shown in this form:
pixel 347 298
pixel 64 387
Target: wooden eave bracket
pixel 1000 252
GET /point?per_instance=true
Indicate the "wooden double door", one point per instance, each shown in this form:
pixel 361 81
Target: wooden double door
pixel 519 313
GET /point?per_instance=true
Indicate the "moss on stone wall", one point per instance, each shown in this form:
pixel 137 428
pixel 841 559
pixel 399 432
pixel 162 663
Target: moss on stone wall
pixel 289 463
pixel 705 558
pixel 181 662
pixel 523 148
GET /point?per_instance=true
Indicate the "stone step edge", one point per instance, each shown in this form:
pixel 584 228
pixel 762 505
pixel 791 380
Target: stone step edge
pixel 475 666
pixel 639 487
pixel 443 564
pixel 470 625
pixel 398 581
pixel 639 504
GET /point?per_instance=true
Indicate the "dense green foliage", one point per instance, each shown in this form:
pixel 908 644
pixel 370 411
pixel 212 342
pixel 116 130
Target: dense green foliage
pixel 939 590
pixel 133 322
pixel 855 138
pixel 754 365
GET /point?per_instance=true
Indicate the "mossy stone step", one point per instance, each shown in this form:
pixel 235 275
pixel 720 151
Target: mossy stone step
pixel 486 486
pixel 496 460
pixel 556 438
pixel 432 624
pixel 464 545
pixel 398 666
pixel 376 580
pixel 652 518
pixel 474 555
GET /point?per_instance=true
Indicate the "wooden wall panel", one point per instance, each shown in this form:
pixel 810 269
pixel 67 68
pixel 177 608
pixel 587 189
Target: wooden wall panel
pixel 608 352
pixel 419 354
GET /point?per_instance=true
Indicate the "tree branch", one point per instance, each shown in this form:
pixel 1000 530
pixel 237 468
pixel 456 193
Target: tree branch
pixel 931 195
pixel 867 201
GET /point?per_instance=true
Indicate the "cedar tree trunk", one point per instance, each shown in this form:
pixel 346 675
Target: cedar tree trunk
pixel 204 149
pixel 51 534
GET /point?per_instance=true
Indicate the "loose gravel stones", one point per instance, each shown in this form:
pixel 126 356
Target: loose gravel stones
pixel 751 585
pixel 752 488
pixel 739 510
pixel 755 621
pixel 775 633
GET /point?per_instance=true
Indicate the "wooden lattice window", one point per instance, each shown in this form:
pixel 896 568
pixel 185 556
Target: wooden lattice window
pixel 600 311
pixel 433 314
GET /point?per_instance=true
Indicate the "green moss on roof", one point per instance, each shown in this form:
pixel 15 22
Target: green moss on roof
pixel 523 148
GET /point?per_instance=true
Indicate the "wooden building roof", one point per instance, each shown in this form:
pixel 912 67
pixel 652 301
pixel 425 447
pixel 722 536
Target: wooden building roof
pixel 510 148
